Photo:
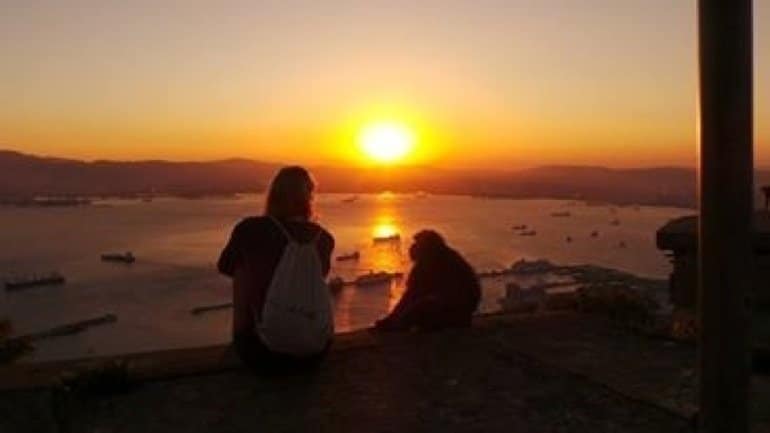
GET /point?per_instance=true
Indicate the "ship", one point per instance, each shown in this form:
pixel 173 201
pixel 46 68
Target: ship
pixel 70 328
pixel 351 199
pixel 126 257
pixel 349 257
pixel 46 202
pixel 207 308
pixel 528 267
pixel 519 227
pixel 52 279
pixel 387 239
pixel 375 278
pixel 493 273
pixel 528 233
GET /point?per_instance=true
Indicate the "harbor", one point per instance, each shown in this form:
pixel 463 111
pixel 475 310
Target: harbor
pixel 174 272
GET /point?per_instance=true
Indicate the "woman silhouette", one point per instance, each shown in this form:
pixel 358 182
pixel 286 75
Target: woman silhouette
pixel 253 252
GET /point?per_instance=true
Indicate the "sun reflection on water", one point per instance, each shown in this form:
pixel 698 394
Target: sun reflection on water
pixel 389 257
pixel 381 244
pixel 385 230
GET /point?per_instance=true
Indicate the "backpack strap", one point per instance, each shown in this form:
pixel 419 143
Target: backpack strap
pixel 281 228
pixel 313 240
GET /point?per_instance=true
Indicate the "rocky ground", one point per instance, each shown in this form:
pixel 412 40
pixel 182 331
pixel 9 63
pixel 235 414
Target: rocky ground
pixel 543 373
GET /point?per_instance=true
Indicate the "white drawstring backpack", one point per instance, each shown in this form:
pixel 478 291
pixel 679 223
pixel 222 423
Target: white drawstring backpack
pixel 297 317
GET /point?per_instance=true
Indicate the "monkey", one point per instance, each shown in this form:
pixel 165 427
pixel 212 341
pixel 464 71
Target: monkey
pixel 442 289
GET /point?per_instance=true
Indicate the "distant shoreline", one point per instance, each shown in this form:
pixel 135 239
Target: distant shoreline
pixel 24 176
pixel 73 200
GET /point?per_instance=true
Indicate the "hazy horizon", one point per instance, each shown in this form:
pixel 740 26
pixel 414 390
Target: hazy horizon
pixel 338 164
pixel 499 85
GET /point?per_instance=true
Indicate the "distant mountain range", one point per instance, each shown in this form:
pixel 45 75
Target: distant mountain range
pixel 23 176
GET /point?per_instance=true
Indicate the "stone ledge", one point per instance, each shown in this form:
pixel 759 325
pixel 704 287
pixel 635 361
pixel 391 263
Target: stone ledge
pixel 184 362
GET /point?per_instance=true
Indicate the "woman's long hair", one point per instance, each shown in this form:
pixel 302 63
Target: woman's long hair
pixel 291 194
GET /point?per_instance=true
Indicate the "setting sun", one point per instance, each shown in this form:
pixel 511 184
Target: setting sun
pixel 386 142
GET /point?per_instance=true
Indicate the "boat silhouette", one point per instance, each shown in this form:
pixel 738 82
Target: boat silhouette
pixel 349 257
pixel 387 239
pixel 127 257
pixel 52 279
pixel 375 278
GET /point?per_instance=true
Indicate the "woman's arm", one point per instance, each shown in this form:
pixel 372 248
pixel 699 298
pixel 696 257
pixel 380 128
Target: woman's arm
pixel 243 302
pixel 326 248
pixel 234 263
pixel 232 253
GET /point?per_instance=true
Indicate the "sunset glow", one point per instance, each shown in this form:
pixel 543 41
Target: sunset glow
pixel 386 142
pixel 451 84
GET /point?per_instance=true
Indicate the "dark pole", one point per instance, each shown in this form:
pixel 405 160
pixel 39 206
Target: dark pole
pixel 726 212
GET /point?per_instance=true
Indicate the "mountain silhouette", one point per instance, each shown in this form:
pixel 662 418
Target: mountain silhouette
pixel 24 176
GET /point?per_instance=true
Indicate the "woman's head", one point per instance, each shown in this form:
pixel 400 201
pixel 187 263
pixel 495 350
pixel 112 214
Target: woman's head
pixel 291 194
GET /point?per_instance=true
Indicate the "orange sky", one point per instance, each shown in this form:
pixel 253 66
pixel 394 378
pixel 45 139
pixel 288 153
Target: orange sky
pixel 493 83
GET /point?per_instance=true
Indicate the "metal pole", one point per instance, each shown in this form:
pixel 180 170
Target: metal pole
pixel 726 212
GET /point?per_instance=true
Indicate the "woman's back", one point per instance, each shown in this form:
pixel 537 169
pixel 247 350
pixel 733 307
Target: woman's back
pixel 252 255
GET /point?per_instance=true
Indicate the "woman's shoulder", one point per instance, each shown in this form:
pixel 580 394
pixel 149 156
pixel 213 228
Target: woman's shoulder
pixel 323 234
pixel 302 230
pixel 252 225
pixel 250 222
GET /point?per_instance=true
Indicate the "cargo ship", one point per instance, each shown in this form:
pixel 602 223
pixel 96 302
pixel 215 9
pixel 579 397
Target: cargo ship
pixel 387 239
pixel 349 257
pixel 127 257
pixel 376 278
pixel 52 279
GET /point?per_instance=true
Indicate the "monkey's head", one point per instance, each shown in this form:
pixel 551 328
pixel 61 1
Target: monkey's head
pixel 427 243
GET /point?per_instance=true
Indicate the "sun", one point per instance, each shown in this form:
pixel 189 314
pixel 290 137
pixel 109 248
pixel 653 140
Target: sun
pixel 386 142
